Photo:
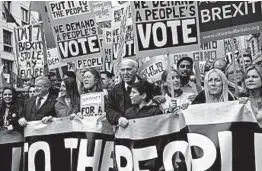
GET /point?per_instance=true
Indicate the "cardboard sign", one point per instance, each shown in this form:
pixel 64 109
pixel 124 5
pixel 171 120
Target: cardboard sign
pixel 74 29
pixel 163 27
pixel 107 48
pixel 53 59
pixel 30 51
pixel 153 69
pixel 118 14
pixel 208 51
pixel 90 62
pixel 102 10
pixel 225 19
pixel 229 48
pixel 92 104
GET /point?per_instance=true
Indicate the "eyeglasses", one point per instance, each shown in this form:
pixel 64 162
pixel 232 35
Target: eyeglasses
pixel 185 66
pixel 31 91
pixel 87 77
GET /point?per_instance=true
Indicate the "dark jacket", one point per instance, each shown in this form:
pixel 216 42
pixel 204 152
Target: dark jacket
pixel 119 101
pixel 47 109
pixel 62 110
pixel 201 98
pixel 54 91
pixel 12 117
pixel 145 111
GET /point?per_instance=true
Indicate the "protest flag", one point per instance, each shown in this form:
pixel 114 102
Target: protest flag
pixel 9 17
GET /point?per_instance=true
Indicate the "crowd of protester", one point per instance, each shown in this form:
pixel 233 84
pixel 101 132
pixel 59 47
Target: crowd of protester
pixel 134 97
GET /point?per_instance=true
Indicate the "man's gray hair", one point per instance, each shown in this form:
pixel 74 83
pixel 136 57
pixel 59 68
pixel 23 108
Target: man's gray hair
pixel 132 62
pixel 44 79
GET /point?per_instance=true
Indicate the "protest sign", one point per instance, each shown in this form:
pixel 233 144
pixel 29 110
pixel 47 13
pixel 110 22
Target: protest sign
pixel 208 51
pixel 40 7
pixel 228 48
pixel 79 143
pixel 11 143
pixel 163 27
pixel 107 48
pixel 53 59
pixel 75 30
pixel 90 62
pixel 30 50
pixel 219 137
pixel 121 45
pixel 102 10
pixel 149 143
pixel 92 104
pixel 153 69
pixel 118 14
pixel 219 20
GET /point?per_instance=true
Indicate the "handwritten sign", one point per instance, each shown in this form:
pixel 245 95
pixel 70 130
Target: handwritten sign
pixel 92 104
pixel 53 59
pixel 30 51
pixel 153 68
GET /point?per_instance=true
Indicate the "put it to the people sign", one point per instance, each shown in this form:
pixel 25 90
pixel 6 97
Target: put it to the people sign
pixel 163 27
pixel 75 29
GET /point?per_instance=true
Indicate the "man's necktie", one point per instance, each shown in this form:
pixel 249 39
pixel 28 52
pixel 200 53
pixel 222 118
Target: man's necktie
pixel 38 104
pixel 129 90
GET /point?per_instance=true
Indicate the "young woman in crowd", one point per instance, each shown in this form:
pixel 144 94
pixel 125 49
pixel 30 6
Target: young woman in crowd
pixel 240 79
pixel 68 104
pixel 253 82
pixel 9 109
pixel 31 91
pixel 181 99
pixel 92 81
pixel 141 98
pixel 215 88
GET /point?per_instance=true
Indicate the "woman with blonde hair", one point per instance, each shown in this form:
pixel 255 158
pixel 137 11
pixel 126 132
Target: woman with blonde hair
pixel 215 88
pixel 239 79
pixel 181 99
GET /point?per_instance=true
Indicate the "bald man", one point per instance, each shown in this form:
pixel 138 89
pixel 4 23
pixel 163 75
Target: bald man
pixel 119 100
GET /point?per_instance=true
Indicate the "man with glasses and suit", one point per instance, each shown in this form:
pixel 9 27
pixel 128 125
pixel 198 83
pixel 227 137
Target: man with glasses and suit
pixel 41 106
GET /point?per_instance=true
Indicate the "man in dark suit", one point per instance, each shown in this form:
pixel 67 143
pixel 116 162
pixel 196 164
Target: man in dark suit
pixel 41 106
pixel 118 99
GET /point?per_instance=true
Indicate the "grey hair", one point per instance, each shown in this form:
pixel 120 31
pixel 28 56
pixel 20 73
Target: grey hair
pixel 132 62
pixel 45 80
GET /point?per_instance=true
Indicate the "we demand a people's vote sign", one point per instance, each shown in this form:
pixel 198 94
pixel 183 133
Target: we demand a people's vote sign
pixel 221 137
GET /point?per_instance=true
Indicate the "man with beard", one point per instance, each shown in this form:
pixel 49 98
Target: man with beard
pixel 185 70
